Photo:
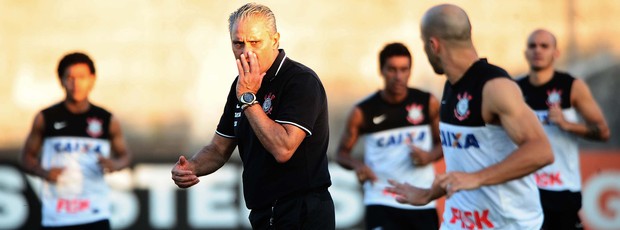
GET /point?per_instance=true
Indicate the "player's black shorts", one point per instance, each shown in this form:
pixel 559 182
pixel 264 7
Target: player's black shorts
pixel 99 225
pixel 561 209
pixel 388 218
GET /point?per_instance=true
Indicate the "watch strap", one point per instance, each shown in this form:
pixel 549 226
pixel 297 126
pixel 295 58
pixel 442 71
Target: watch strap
pixel 245 106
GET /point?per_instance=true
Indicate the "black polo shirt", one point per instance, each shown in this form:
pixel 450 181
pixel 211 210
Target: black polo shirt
pixel 290 93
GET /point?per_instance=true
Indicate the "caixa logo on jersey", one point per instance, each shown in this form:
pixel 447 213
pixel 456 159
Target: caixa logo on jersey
pixel 458 140
pixel 543 117
pixel 400 138
pixel 78 146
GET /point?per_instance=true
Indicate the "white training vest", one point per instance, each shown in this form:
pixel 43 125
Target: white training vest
pixel 511 205
pixel 81 195
pixel 563 173
pixel 387 154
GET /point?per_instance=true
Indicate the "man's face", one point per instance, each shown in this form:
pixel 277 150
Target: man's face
pixel 433 58
pixel 541 51
pixel 78 81
pixel 396 72
pixel 252 34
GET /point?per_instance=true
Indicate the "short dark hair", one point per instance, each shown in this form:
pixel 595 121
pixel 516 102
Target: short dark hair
pixel 72 59
pixel 393 49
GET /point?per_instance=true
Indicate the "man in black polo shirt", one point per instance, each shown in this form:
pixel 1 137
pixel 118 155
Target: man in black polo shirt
pixel 276 113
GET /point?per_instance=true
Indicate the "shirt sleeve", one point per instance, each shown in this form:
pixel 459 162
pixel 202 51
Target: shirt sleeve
pixel 226 127
pixel 303 102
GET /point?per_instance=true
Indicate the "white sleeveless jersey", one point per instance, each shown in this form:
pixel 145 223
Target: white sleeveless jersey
pixel 80 195
pixel 387 154
pixel 389 129
pixel 74 142
pixel 470 145
pixel 511 205
pixel 564 173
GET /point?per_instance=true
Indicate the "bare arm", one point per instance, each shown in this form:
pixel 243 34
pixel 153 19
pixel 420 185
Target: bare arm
pixel 408 194
pixel 521 125
pixel 421 157
pixel 30 154
pixel 534 152
pixel 121 157
pixel 210 158
pixel 347 142
pixel 281 140
pixel 595 127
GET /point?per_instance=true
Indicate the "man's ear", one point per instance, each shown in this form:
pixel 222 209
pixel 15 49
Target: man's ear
pixel 433 42
pixel 276 40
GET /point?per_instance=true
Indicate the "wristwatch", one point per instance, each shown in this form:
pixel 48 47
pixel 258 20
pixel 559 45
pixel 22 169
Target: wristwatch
pixel 247 98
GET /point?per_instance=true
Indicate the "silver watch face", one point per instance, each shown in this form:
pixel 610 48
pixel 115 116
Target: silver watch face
pixel 247 98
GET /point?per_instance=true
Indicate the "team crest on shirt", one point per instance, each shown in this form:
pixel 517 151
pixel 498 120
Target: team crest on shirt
pixel 554 96
pixel 414 115
pixel 267 105
pixel 461 112
pixel 95 127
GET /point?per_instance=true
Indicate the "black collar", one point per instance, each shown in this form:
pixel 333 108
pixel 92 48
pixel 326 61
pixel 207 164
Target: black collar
pixel 273 71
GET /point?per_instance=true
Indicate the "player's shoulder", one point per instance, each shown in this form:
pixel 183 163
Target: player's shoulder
pixel 56 110
pixel 296 69
pixel 99 109
pixel 53 108
pixel 520 79
pixel 563 74
pixel 369 99
pixel 417 91
pixel 563 78
pixel 500 86
pixel 507 81
pixel 488 70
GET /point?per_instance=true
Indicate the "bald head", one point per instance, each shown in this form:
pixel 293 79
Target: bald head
pixel 545 34
pixel 447 22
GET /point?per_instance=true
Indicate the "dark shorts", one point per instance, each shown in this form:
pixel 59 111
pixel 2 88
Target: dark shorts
pixel 561 209
pixel 99 225
pixel 387 218
pixel 313 210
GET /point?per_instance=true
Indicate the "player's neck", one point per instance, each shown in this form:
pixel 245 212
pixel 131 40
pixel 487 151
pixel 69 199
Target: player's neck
pixel 77 107
pixel 393 98
pixel 458 63
pixel 541 77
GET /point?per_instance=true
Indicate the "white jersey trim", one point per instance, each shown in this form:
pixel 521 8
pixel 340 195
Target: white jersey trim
pixel 224 135
pixel 280 66
pixel 295 124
